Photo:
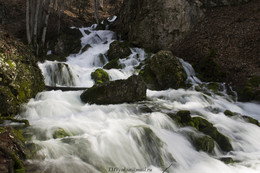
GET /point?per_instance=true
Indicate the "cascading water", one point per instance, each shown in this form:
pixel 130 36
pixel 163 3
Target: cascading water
pixel 137 137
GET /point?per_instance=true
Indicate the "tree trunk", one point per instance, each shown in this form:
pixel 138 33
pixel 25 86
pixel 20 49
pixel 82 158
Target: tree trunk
pixel 29 39
pixel 96 10
pixel 46 23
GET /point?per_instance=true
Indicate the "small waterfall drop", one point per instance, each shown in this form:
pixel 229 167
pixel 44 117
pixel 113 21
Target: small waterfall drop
pixel 68 136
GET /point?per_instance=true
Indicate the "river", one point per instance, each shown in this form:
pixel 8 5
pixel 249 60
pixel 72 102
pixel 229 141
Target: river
pixel 137 137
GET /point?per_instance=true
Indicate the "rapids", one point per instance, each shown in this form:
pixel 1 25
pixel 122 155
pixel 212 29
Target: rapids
pixel 137 137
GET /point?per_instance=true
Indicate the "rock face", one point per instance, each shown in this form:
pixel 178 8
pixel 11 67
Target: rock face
pixel 163 71
pixel 155 24
pixel 20 77
pixel 115 92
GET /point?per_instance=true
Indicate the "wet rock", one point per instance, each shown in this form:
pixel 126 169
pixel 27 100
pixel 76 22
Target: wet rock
pixel 244 117
pixel 183 118
pixel 60 133
pixel 100 76
pixel 204 143
pixel 163 71
pixel 114 64
pixel 118 50
pixel 115 92
pixel 227 160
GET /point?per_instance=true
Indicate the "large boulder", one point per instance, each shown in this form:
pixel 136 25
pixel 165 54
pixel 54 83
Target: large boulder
pixel 163 71
pixel 156 24
pixel 115 92
pixel 20 77
pixel 100 76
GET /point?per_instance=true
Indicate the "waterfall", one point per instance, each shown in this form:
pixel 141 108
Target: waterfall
pixel 68 136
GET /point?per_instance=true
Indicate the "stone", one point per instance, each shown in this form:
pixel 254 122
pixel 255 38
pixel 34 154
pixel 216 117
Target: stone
pixel 163 71
pixel 21 78
pixel 119 50
pixel 100 76
pixel 115 92
pixel 156 24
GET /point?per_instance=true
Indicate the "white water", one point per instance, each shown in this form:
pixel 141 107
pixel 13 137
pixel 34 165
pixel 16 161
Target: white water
pixel 111 138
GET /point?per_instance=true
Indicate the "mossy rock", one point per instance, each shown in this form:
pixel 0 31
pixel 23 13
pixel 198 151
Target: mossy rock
pixel 114 64
pixel 204 143
pixel 85 48
pixel 60 133
pixel 20 77
pixel 208 69
pixel 163 71
pixel 227 160
pixel 100 76
pixel 244 117
pixel 115 92
pixel 229 113
pixel 183 118
pixel 251 90
pixel 118 50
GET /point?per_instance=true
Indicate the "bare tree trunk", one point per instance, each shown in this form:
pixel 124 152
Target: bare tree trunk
pixel 96 10
pixel 46 23
pixel 101 4
pixel 29 39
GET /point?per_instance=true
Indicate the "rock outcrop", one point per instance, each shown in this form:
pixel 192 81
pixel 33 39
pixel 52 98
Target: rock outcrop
pixel 155 24
pixel 68 42
pixel 163 71
pixel 20 77
pixel 115 92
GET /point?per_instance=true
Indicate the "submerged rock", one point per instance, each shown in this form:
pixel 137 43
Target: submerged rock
pixel 115 92
pixel 244 117
pixel 184 119
pixel 163 71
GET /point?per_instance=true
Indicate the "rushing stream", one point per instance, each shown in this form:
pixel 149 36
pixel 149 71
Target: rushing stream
pixel 138 137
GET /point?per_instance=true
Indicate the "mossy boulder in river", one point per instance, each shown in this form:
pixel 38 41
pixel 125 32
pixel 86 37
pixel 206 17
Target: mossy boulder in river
pixel 100 76
pixel 131 90
pixel 119 50
pixel 183 118
pixel 163 71
pixel 20 77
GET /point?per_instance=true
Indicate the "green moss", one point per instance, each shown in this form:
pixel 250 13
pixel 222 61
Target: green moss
pixel 100 76
pixel 60 133
pixel 204 143
pixel 11 63
pixel 118 50
pixel 227 160
pixel 229 113
pixel 251 120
